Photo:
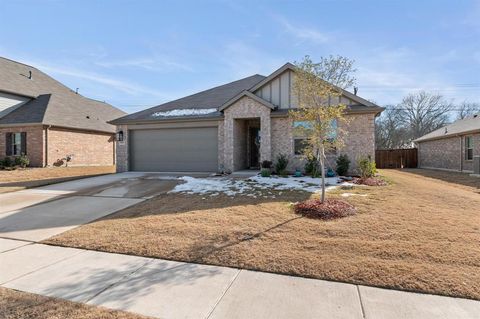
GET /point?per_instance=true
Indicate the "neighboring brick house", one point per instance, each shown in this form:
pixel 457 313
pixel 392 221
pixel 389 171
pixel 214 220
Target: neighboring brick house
pixel 455 147
pixel 45 120
pixel 233 127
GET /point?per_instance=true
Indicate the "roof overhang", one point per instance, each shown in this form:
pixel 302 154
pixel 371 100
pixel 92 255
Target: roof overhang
pixel 246 94
pixel 457 134
pixel 166 120
pixel 363 110
pixel 18 94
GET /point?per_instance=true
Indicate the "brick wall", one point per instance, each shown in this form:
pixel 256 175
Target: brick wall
pixel 246 108
pixel 447 153
pixel 35 142
pixel 89 148
pixel 359 140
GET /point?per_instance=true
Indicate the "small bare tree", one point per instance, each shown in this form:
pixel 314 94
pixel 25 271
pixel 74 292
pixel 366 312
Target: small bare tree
pixel 317 89
pixel 390 131
pixel 466 109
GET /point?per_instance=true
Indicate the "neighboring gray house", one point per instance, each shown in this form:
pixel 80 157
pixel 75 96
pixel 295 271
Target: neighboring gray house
pixel 453 147
pixel 232 127
pixel 43 119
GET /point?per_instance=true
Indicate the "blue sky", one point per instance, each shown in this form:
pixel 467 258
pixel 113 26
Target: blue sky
pixel 136 54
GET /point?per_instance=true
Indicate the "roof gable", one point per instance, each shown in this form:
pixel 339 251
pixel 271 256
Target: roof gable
pixel 290 67
pixel 247 94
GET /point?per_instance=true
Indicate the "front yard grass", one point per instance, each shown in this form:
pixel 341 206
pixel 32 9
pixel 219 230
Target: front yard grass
pixel 416 234
pixel 16 304
pixel 34 177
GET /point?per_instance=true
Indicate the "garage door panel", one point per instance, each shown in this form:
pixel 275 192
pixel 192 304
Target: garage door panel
pixel 174 149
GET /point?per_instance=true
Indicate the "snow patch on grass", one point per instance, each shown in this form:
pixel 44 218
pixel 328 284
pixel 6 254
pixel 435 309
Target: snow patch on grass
pixel 353 194
pixel 253 186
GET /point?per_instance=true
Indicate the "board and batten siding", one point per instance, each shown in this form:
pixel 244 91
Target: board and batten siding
pixel 10 102
pixel 279 92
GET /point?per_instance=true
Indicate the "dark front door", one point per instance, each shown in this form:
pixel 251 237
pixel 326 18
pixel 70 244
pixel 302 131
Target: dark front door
pixel 254 147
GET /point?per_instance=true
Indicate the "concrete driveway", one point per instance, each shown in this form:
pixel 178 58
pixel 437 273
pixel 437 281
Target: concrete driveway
pixel 39 213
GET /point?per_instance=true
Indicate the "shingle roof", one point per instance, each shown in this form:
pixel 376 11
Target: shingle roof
pixel 52 102
pixel 212 98
pixel 467 125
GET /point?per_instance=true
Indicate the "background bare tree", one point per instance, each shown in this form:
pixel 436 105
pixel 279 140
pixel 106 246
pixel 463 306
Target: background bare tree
pixel 390 131
pixel 424 112
pixel 418 114
pixel 466 109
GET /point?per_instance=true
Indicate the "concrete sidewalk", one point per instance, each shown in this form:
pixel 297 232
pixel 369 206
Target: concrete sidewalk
pixel 168 289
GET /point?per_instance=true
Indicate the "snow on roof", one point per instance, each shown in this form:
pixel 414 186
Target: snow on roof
pixel 184 112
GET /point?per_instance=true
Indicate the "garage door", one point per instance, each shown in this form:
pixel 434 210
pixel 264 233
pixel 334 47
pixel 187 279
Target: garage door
pixel 174 149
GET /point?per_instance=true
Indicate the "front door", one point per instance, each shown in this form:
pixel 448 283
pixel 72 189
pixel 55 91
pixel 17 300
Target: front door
pixel 254 161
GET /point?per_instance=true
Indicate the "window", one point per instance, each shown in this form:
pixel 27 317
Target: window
pixel 468 148
pixel 16 144
pixel 299 145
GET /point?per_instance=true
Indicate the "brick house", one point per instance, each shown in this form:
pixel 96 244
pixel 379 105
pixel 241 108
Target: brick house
pixel 455 147
pixel 45 120
pixel 232 127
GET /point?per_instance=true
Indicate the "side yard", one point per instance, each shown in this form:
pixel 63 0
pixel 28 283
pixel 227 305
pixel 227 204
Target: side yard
pixel 417 234
pixel 34 177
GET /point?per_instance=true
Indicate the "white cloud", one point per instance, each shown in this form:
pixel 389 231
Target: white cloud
pixel 302 33
pixel 244 60
pixel 147 63
pixel 119 85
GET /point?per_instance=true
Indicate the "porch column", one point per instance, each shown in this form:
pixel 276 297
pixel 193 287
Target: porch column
pixel 228 143
pixel 265 138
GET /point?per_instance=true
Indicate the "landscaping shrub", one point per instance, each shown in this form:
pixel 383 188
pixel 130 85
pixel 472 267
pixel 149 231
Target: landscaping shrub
pixel 311 167
pixel 329 209
pixel 281 165
pixel 7 162
pixel 22 161
pixel 343 164
pixel 367 167
pixel 265 172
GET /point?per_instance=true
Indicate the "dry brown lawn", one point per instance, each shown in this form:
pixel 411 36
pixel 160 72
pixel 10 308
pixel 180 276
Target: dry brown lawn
pixel 15 305
pixel 34 177
pixel 417 234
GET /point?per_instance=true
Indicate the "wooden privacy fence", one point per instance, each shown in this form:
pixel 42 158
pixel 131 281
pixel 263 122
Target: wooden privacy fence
pixel 396 158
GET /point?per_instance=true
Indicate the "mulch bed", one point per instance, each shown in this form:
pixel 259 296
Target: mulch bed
pixel 329 209
pixel 369 181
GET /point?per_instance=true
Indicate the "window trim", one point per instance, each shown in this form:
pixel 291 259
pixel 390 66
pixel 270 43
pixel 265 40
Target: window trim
pixel 16 144
pixel 466 149
pixel 300 138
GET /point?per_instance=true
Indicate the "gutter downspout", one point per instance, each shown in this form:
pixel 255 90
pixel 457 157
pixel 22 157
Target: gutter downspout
pixel 46 145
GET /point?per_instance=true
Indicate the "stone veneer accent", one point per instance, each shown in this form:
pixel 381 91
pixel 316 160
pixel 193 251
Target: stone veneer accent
pixel 122 150
pixel 447 153
pixel 246 108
